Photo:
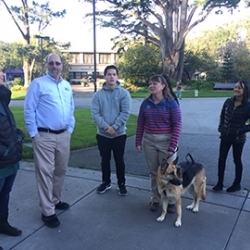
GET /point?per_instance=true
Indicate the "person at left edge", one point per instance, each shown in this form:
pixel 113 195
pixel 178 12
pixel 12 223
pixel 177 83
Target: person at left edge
pixel 10 154
pixel 49 117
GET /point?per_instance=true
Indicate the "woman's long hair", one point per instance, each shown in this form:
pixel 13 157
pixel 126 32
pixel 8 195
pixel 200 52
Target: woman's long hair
pixel 245 87
pixel 170 88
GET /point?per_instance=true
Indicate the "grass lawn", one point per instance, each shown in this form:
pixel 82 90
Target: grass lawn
pixel 189 93
pixel 18 95
pixel 84 133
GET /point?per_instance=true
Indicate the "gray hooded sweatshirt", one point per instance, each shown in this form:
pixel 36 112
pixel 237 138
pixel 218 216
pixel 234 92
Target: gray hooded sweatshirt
pixel 111 107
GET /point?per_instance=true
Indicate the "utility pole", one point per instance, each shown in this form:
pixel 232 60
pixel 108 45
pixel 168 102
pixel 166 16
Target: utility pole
pixel 41 49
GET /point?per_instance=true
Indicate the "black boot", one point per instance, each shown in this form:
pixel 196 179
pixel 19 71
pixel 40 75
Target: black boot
pixel 218 186
pixel 6 228
pixel 235 187
pixel 221 170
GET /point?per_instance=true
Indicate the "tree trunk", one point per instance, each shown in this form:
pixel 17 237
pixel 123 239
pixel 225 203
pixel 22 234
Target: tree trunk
pixel 172 61
pixel 27 69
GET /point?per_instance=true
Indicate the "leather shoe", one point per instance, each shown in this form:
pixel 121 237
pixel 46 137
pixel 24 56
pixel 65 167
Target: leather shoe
pixel 62 205
pixel 153 206
pixel 51 221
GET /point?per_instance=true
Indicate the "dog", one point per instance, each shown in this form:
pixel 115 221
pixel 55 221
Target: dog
pixel 173 181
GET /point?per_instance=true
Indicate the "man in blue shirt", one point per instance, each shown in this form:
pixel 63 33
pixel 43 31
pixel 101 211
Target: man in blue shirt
pixel 49 117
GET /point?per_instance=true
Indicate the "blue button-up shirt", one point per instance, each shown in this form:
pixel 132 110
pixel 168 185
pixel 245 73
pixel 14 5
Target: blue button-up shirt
pixel 49 104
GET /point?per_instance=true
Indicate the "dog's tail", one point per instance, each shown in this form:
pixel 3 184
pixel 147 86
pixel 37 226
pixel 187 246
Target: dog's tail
pixel 203 188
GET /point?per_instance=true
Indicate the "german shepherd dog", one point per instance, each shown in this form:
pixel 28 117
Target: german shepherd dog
pixel 172 181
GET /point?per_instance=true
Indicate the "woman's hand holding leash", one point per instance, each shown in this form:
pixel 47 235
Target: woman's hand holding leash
pixel 139 149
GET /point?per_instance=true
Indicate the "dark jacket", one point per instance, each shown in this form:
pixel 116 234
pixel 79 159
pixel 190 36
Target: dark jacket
pixel 10 136
pixel 233 119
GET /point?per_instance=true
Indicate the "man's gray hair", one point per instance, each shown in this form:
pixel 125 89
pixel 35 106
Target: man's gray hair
pixel 49 55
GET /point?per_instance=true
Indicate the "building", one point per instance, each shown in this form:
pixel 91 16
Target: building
pixel 82 64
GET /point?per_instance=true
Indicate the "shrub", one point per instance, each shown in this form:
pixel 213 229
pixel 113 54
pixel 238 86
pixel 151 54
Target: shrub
pixel 200 85
pixel 18 81
pixel 18 88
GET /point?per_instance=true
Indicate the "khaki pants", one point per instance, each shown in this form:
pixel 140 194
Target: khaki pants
pixel 155 147
pixel 51 156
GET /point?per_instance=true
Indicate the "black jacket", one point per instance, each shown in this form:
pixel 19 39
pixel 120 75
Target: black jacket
pixel 233 119
pixel 10 136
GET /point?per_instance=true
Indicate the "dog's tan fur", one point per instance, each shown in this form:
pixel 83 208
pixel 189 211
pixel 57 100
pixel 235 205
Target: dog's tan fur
pixel 170 172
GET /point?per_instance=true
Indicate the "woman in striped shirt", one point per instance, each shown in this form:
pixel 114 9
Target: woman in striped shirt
pixel 158 130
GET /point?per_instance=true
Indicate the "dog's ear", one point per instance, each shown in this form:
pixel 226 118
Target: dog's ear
pixel 164 165
pixel 176 160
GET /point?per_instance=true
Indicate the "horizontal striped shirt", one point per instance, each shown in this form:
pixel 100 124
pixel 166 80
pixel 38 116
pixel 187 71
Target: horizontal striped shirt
pixel 161 118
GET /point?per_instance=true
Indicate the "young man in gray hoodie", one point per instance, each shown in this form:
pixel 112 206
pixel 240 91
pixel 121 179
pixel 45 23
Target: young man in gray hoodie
pixel 110 111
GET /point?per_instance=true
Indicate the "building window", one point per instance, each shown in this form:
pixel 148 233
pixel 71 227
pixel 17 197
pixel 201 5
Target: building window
pixel 105 59
pixel 75 58
pixel 88 58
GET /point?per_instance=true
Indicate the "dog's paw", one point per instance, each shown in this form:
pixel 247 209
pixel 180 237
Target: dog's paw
pixel 177 223
pixel 195 210
pixel 190 207
pixel 161 218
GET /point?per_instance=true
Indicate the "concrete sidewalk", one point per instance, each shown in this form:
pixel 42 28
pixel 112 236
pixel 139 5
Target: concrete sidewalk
pixel 112 222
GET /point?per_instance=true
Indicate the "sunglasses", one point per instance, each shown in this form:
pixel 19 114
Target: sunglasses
pixel 51 63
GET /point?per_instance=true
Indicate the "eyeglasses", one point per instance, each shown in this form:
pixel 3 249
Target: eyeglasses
pixel 51 63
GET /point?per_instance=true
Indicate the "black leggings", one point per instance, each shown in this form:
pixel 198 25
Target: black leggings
pixel 237 152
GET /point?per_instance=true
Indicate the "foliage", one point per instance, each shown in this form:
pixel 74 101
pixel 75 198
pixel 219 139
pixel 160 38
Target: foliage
pixel 227 66
pixel 138 63
pixel 202 62
pixel 10 58
pixel 207 52
pixel 24 15
pixel 18 88
pixel 241 59
pixel 200 85
pixel 17 81
pixel 164 23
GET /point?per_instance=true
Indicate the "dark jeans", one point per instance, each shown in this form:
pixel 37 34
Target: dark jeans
pixel 237 152
pixel 117 145
pixel 5 189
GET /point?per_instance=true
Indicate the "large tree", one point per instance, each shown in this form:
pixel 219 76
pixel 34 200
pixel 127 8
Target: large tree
pixel 164 23
pixel 138 63
pixel 25 15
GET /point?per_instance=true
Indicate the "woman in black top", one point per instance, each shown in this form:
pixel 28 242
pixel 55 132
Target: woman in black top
pixel 232 127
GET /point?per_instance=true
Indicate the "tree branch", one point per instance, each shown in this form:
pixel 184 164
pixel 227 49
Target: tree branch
pixel 13 17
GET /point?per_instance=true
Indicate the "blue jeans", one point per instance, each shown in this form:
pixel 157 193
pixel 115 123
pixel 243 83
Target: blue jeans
pixel 106 146
pixel 5 189
pixel 179 93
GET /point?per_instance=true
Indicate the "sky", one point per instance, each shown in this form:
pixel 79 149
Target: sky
pixel 79 33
